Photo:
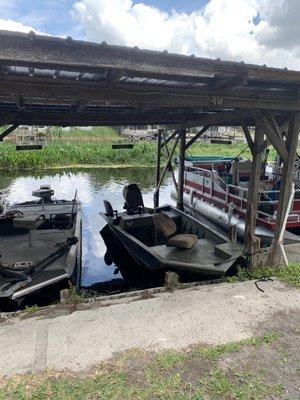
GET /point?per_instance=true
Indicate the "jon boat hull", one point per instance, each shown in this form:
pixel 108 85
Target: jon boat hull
pixel 58 261
pixel 214 254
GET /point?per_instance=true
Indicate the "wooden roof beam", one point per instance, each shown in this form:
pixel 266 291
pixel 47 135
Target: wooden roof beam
pixel 58 53
pixel 219 118
pixel 110 97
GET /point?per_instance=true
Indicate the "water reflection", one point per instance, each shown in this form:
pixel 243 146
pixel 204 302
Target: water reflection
pixel 93 186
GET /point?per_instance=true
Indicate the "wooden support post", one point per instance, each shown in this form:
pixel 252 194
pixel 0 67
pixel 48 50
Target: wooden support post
pixel 252 201
pixel 158 154
pixel 182 135
pixel 285 187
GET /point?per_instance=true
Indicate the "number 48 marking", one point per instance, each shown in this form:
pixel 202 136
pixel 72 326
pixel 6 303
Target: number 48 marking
pixel 217 101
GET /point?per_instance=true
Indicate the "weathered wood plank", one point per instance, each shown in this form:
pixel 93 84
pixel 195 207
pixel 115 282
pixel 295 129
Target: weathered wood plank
pixel 41 51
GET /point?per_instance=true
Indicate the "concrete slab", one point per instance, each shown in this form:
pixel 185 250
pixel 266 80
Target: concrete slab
pixel 207 314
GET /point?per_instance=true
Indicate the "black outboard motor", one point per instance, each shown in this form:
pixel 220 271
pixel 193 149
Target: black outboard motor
pixel 44 193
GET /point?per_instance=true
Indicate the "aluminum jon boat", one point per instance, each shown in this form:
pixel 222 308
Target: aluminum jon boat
pixel 167 240
pixel 40 245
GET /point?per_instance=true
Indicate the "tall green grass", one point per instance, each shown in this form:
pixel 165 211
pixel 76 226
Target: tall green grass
pixel 59 153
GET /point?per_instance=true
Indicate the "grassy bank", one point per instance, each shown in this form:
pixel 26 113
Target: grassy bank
pixel 239 370
pixel 289 274
pixel 60 153
pixel 57 154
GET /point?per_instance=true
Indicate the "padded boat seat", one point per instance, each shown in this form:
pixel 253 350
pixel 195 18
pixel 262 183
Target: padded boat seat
pixel 165 225
pixel 183 241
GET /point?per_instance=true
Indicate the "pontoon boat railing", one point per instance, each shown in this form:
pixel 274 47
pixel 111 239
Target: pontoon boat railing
pixel 238 194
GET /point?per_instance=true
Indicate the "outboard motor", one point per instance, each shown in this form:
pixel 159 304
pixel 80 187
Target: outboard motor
pixel 44 193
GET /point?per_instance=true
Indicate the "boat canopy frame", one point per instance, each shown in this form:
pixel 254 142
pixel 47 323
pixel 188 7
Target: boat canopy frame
pixel 46 80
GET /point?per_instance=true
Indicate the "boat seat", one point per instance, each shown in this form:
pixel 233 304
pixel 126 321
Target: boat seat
pixel 134 203
pixel 109 211
pixel 165 225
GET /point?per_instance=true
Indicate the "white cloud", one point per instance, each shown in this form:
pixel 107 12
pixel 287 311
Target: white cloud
pixel 10 25
pixel 223 28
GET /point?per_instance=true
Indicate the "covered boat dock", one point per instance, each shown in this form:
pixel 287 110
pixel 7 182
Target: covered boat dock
pixel 53 81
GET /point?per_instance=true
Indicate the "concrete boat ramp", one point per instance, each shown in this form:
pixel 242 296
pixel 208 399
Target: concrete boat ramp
pixel 208 314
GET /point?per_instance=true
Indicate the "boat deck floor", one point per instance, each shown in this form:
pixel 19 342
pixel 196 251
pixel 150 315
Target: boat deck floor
pixel 15 248
pixel 202 256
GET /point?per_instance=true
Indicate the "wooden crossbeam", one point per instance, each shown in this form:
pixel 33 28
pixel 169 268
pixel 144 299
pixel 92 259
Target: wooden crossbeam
pixel 272 135
pixel 193 140
pixel 170 165
pixel 252 146
pixel 8 131
pixel 138 95
pixel 248 138
pixel 84 118
pixel 167 139
pixel 169 160
pixel 220 118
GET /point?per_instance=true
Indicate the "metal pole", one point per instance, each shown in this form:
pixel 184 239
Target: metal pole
pixel 285 218
pixel 285 186
pixel 158 155
pixel 182 135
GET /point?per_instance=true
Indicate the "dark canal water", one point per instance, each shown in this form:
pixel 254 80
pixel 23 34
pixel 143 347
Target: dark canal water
pixel 93 185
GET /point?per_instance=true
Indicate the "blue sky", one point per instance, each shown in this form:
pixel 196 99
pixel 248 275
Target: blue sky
pixel 54 16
